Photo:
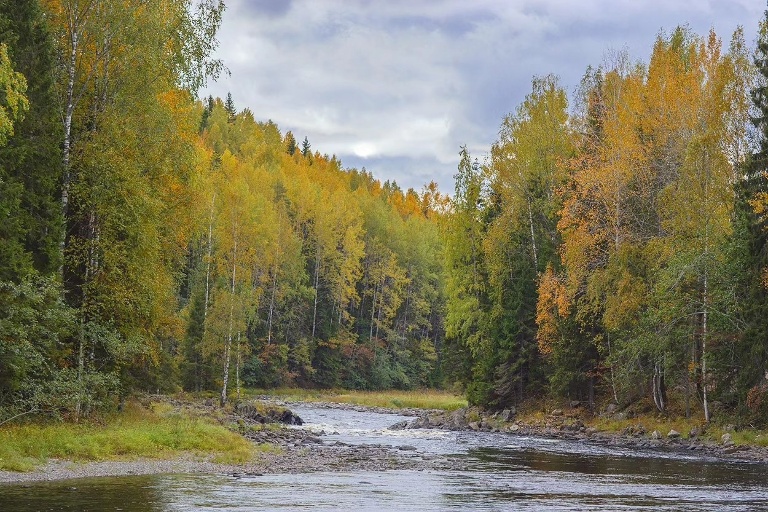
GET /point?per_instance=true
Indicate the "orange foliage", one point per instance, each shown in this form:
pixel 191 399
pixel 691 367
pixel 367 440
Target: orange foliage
pixel 553 304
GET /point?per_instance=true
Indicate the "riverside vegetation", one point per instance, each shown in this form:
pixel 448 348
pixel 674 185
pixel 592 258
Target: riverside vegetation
pixel 610 250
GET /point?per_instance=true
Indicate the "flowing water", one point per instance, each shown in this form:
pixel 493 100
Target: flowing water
pixel 499 472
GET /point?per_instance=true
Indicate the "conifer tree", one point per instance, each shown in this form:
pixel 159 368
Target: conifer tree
pixel 30 168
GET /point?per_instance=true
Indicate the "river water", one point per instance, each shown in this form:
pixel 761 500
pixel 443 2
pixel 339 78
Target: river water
pixel 499 472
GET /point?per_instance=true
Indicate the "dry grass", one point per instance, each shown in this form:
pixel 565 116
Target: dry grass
pixel 393 399
pixel 137 432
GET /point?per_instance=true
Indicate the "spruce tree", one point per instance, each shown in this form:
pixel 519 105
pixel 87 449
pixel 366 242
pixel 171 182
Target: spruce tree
pixel 30 163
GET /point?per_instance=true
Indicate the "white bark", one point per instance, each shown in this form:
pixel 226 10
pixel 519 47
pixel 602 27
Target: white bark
pixel 228 344
pixel 210 257
pixel 533 237
pixel 704 348
pixel 317 282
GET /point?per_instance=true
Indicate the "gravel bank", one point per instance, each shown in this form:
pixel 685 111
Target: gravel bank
pixel 301 451
pixel 295 451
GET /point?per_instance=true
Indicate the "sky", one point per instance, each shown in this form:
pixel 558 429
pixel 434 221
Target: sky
pixel 398 86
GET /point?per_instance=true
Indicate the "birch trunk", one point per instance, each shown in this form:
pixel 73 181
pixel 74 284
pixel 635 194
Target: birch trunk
pixel 208 261
pixel 228 344
pixel 317 282
pixel 69 110
pixel 704 348
pixel 533 237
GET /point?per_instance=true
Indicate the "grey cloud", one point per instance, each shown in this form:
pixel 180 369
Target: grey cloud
pixel 269 8
pixel 399 85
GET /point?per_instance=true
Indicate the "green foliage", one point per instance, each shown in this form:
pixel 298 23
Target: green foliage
pixel 30 161
pixel 14 85
pixel 33 323
pixel 133 433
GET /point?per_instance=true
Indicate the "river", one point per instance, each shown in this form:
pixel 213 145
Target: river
pixel 498 472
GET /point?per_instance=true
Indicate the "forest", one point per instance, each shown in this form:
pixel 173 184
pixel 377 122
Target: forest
pixel 611 247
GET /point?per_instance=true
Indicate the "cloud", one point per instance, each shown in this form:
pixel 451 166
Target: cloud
pixel 257 8
pixel 399 86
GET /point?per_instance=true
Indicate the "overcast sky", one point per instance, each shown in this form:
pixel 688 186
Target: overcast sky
pixel 397 86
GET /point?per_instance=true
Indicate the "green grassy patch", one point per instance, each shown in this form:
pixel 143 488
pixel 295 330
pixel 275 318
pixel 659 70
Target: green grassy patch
pixel 649 423
pixel 134 433
pixel 392 399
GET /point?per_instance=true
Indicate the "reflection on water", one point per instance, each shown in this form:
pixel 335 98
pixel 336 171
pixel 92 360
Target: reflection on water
pixel 128 494
pixel 500 473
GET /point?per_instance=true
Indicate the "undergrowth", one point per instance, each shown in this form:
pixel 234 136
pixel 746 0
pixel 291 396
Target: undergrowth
pixel 136 432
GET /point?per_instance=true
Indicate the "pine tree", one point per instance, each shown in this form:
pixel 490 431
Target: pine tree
pixel 229 106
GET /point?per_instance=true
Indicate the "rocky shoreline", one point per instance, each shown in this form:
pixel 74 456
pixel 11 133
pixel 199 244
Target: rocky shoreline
pixel 295 450
pixel 291 450
pixel 562 425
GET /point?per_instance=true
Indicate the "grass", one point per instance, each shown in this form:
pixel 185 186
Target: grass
pixel 393 399
pixel 649 423
pixel 712 432
pixel 135 433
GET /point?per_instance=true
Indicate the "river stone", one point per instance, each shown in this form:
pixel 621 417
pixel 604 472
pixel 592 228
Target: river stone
pixel 507 414
pixel 557 412
pixel 673 434
pixel 514 427
pixel 400 425
pixel 726 439
pixel 458 420
pixel 656 435
pixel 420 422
pixel 289 418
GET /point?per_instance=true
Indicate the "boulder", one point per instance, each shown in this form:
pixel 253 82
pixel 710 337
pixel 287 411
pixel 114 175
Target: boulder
pixel 726 439
pixel 457 420
pixel 673 434
pixel 656 435
pixel 401 425
pixel 557 412
pixel 507 414
pixel 289 418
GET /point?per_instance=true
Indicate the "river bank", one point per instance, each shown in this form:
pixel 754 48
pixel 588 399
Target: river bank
pixel 285 449
pixel 280 448
pixel 573 426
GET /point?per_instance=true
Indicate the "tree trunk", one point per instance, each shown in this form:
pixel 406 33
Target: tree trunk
pixel 208 260
pixel 317 292
pixel 533 237
pixel 704 348
pixel 271 305
pixel 69 110
pixel 659 388
pixel 373 313
pixel 237 367
pixel 228 344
